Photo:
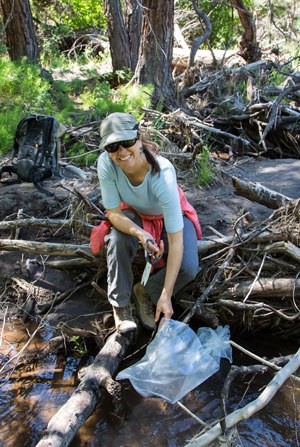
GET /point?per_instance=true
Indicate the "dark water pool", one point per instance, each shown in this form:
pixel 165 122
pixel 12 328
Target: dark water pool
pixel 29 398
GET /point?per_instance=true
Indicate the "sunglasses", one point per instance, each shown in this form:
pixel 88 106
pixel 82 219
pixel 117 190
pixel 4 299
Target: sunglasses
pixel 113 147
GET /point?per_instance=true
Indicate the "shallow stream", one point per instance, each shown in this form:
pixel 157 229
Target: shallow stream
pixel 29 397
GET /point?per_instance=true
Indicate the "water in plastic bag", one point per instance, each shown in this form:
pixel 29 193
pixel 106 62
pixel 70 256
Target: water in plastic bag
pixel 178 360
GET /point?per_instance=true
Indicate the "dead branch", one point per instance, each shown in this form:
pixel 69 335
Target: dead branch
pixel 203 85
pixel 199 40
pixel 236 371
pixel 274 109
pixel 250 306
pixel 274 363
pixel 73 170
pixel 253 407
pixel 68 263
pixel 90 204
pixel 72 250
pixel 197 123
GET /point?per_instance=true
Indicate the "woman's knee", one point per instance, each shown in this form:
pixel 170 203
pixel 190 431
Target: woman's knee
pixel 120 242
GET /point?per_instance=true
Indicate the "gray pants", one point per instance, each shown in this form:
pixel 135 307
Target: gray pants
pixel 121 249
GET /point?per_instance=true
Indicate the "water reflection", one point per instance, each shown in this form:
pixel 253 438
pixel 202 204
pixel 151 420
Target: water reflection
pixel 27 404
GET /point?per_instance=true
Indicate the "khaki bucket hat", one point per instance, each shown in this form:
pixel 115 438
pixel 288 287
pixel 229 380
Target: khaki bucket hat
pixel 116 127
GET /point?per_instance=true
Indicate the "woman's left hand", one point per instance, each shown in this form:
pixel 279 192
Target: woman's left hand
pixel 164 306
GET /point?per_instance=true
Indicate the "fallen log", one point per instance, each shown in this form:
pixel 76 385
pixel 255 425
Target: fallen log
pixel 51 223
pixel 212 242
pixel 81 255
pixel 259 193
pixel 47 248
pixel 72 250
pixel 71 416
pixel 68 263
pixel 264 288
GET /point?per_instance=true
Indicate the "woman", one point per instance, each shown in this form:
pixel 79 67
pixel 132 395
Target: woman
pixel 144 205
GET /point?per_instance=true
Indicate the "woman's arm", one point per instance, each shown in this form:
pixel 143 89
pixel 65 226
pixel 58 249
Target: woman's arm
pixel 164 304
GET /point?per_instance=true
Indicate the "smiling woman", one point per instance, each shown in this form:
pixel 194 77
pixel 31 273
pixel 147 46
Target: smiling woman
pixel 130 158
pixel 144 205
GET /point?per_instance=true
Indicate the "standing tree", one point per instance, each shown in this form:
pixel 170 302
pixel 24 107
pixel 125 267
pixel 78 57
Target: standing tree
pixel 142 39
pixel 118 35
pixel 156 49
pixel 20 36
pixel 133 23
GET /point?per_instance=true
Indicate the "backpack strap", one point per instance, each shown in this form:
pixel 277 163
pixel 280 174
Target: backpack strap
pixel 18 135
pixel 45 147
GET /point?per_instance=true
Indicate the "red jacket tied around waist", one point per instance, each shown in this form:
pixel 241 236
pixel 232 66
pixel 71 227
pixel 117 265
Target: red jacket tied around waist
pixel 153 224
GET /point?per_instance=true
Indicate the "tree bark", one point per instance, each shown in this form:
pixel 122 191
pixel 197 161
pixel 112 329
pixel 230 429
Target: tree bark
pixel 156 49
pixel 20 35
pixel 133 23
pixel 117 34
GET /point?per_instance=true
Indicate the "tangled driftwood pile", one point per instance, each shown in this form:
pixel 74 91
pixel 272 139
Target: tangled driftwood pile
pixel 253 277
pixel 252 109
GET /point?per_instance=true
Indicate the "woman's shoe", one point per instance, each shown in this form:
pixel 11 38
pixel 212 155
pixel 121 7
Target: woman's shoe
pixel 144 306
pixel 124 320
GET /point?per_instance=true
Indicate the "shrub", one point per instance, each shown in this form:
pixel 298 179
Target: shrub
pixel 22 91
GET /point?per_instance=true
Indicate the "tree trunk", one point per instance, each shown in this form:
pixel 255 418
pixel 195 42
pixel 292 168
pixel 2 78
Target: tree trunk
pixel 20 35
pixel 118 36
pixel 156 48
pixel 133 23
pixel 249 48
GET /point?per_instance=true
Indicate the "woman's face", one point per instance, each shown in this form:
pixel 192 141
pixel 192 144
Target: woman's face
pixel 126 158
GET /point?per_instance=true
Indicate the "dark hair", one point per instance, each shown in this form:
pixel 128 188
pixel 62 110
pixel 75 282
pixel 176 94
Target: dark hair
pixel 151 149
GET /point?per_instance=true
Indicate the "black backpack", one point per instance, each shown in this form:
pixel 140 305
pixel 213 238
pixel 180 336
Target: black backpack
pixel 37 149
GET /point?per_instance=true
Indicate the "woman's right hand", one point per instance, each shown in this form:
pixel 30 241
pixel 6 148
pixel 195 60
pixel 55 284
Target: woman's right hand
pixel 152 247
pixel 123 223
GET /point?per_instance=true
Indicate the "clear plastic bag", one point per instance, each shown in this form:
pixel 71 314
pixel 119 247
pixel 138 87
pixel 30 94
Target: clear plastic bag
pixel 215 342
pixel 178 360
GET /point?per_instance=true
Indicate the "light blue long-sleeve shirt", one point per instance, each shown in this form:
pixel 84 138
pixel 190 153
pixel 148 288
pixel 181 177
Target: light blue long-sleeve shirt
pixel 157 194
